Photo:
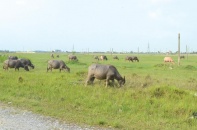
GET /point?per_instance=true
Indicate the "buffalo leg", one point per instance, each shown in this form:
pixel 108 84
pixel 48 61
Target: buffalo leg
pixel 107 82
pixel 16 68
pixel 48 68
pixel 113 82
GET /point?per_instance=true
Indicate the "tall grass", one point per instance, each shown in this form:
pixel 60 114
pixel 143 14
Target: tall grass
pixel 155 96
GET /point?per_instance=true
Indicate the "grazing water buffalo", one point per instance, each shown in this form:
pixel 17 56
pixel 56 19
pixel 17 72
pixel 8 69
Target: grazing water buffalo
pixel 168 59
pixel 57 64
pixel 182 57
pixel 108 72
pixel 132 58
pixel 72 57
pixel 14 64
pixel 12 57
pixel 116 57
pixel 129 58
pixel 103 57
pixel 27 62
pixel 96 57
pixel 52 55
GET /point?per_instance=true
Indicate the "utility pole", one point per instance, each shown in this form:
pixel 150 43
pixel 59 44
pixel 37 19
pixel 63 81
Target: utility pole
pixel 148 48
pixel 111 51
pixel 73 51
pixel 187 52
pixel 178 49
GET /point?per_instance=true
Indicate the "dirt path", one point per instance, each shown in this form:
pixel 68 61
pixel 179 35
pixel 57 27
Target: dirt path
pixel 15 119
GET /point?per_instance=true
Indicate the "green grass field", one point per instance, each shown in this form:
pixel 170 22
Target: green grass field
pixel 155 96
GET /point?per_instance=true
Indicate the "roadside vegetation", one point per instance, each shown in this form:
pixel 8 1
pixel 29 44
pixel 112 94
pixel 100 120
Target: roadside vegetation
pixel 155 96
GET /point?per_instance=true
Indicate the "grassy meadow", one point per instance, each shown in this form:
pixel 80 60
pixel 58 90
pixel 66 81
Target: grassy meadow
pixel 155 96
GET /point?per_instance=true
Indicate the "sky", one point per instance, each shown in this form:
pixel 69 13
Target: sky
pixel 98 25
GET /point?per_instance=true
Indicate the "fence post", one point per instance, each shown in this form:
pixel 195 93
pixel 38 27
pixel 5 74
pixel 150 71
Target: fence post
pixel 178 49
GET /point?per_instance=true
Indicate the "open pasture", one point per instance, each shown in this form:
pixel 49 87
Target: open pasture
pixel 155 95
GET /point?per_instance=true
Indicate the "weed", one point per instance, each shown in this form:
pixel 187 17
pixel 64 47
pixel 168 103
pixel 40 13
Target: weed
pixel 81 73
pixel 102 122
pixel 159 65
pixel 117 125
pixel 20 79
pixel 190 67
pixel 158 92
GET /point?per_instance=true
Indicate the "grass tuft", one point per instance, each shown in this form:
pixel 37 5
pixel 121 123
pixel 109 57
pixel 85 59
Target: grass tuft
pixel 190 67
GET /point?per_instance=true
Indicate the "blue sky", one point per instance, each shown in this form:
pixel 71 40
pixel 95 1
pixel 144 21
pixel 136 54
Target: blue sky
pixel 98 25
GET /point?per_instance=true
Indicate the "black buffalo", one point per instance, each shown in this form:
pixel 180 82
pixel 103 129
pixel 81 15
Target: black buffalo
pixel 52 55
pixel 96 57
pixel 27 62
pixel 182 57
pixel 135 58
pixel 14 64
pixel 115 57
pixel 132 58
pixel 12 57
pixel 129 58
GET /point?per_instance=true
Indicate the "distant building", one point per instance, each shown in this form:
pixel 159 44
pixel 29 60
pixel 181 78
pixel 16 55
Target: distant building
pixel 56 50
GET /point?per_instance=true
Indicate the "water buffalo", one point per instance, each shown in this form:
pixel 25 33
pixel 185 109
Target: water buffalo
pixel 103 57
pixel 27 62
pixel 182 57
pixel 52 55
pixel 14 64
pixel 101 72
pixel 132 58
pixel 57 64
pixel 12 57
pixel 129 58
pixel 96 57
pixel 72 57
pixel 116 57
pixel 168 59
